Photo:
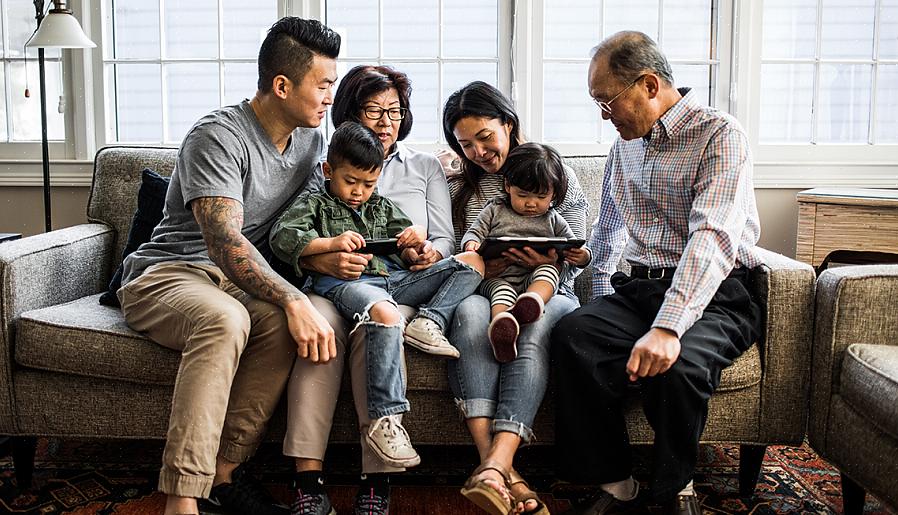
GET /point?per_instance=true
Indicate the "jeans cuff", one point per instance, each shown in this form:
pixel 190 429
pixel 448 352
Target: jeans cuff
pixel 173 483
pixel 386 412
pixel 510 426
pixel 475 408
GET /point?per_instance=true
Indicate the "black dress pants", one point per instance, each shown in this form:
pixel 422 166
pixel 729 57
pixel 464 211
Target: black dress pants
pixel 591 347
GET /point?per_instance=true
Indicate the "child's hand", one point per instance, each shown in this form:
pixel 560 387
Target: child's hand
pixel 578 257
pixel 472 246
pixel 347 242
pixel 411 236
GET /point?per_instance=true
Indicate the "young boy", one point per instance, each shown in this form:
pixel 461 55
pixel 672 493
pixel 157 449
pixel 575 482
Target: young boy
pixel 340 218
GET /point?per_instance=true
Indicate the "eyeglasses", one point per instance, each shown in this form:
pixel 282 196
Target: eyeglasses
pixel 393 113
pixel 606 106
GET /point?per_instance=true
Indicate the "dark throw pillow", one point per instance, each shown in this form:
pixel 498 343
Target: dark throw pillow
pixel 150 200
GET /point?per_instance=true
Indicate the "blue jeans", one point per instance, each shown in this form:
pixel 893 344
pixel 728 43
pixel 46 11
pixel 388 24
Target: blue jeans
pixel 509 393
pixel 436 292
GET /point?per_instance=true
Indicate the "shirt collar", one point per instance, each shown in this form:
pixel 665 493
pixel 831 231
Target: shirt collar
pixel 676 117
pixel 400 153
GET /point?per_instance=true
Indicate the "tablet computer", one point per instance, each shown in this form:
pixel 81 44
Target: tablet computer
pixel 379 247
pixel 494 247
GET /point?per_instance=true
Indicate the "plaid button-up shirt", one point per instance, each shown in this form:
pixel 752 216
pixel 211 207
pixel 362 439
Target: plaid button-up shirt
pixel 682 198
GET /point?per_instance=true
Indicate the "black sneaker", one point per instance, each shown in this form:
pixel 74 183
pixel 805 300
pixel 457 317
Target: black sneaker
pixel 311 504
pixel 369 501
pixel 242 496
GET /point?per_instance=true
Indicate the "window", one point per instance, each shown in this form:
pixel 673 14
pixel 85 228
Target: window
pixel 685 29
pixel 829 72
pixel 449 44
pixel 20 116
pixel 168 63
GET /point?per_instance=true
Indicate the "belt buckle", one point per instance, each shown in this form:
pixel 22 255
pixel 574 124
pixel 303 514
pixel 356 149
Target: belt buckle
pixel 656 273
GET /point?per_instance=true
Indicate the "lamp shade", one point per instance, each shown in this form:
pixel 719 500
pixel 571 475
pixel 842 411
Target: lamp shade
pixel 59 29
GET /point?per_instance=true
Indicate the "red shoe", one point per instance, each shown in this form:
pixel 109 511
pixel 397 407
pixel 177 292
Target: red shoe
pixel 528 308
pixel 503 333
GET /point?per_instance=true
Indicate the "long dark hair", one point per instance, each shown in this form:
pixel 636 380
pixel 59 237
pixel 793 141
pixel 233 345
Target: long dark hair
pixel 535 167
pixel 482 100
pixel 361 83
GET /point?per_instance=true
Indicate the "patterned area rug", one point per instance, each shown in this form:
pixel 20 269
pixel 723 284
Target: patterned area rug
pixel 119 477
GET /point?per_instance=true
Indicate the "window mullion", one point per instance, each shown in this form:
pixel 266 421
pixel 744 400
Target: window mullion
pixel 162 82
pixel 815 100
pixel 877 22
pixel 221 75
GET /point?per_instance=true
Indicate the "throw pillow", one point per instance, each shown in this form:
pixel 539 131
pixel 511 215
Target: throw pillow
pixel 150 200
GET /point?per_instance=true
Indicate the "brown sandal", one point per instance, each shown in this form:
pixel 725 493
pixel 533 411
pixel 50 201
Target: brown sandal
pixel 482 494
pixel 513 479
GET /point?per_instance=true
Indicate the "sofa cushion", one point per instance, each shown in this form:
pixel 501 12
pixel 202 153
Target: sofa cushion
pixel 150 201
pixel 869 384
pixel 85 338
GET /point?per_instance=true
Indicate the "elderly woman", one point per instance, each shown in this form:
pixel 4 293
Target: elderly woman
pixel 499 400
pixel 377 97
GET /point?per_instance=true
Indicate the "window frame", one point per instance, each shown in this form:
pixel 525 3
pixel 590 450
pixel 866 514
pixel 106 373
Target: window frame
pixel 738 54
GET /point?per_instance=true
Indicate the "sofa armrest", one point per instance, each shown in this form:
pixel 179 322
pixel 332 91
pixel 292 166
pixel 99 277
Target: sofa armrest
pixel 786 288
pixel 44 270
pixel 855 304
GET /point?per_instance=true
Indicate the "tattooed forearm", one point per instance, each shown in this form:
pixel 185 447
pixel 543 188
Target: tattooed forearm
pixel 221 220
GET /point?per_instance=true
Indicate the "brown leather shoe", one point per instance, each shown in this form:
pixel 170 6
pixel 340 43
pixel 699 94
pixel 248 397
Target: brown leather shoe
pixel 683 505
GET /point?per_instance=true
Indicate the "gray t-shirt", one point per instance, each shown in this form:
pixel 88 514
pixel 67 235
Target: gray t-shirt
pixel 228 154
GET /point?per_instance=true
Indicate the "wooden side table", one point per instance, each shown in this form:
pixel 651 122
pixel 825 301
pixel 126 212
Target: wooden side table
pixel 852 219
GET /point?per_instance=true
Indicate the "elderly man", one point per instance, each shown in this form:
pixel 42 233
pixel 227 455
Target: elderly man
pixel 678 202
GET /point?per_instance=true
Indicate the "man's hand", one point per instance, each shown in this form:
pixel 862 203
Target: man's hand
pixel 495 266
pixel 422 257
pixel 577 257
pixel 472 246
pixel 411 237
pixel 342 265
pixel 347 242
pixel 653 354
pixel 313 335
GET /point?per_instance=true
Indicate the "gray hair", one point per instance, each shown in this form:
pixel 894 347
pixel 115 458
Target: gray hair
pixel 632 53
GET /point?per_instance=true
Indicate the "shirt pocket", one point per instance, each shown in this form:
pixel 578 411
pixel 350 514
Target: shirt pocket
pixel 337 222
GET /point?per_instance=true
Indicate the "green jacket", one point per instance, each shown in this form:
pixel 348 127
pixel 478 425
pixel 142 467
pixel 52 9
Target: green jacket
pixel 317 214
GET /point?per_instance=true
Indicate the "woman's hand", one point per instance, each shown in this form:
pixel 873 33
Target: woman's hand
pixel 472 246
pixel 422 257
pixel 449 161
pixel 529 258
pixel 342 265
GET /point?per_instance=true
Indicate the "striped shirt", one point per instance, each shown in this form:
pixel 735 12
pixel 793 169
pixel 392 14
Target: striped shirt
pixel 682 198
pixel 573 209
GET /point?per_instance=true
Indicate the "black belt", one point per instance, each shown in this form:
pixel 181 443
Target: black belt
pixel 644 272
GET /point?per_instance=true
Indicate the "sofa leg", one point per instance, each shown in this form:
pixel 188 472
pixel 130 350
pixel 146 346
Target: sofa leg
pixel 23 449
pixel 853 496
pixel 750 459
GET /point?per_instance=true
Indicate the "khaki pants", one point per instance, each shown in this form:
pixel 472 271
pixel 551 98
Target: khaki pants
pixel 236 355
pixel 313 390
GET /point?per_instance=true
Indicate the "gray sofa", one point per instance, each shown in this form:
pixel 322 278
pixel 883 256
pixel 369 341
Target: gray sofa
pixel 70 367
pixel 854 412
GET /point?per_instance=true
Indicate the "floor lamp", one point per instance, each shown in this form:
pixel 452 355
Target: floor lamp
pixel 57 29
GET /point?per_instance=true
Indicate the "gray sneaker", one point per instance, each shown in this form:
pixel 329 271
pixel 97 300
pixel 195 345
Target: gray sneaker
pixel 425 335
pixel 390 442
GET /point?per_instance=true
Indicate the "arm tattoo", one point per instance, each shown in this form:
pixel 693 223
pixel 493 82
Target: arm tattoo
pixel 221 220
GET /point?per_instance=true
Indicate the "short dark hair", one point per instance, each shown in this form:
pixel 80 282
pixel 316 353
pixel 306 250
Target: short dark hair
pixel 632 53
pixel 482 100
pixel 290 46
pixel 535 167
pixel 357 145
pixel 361 83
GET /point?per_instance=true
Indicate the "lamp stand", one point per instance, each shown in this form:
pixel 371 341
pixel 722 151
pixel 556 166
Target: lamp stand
pixel 45 144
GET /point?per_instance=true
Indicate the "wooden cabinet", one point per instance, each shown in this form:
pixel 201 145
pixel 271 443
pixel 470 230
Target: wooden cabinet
pixel 856 219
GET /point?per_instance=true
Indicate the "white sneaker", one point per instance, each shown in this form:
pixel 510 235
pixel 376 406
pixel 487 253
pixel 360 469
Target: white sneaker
pixel 390 442
pixel 425 335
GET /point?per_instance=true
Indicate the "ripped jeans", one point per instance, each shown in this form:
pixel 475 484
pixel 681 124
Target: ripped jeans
pixel 434 291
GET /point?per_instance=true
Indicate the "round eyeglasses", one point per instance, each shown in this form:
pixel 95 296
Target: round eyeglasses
pixel 606 106
pixel 393 113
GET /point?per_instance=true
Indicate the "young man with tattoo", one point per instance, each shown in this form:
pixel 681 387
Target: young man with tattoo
pixel 203 287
